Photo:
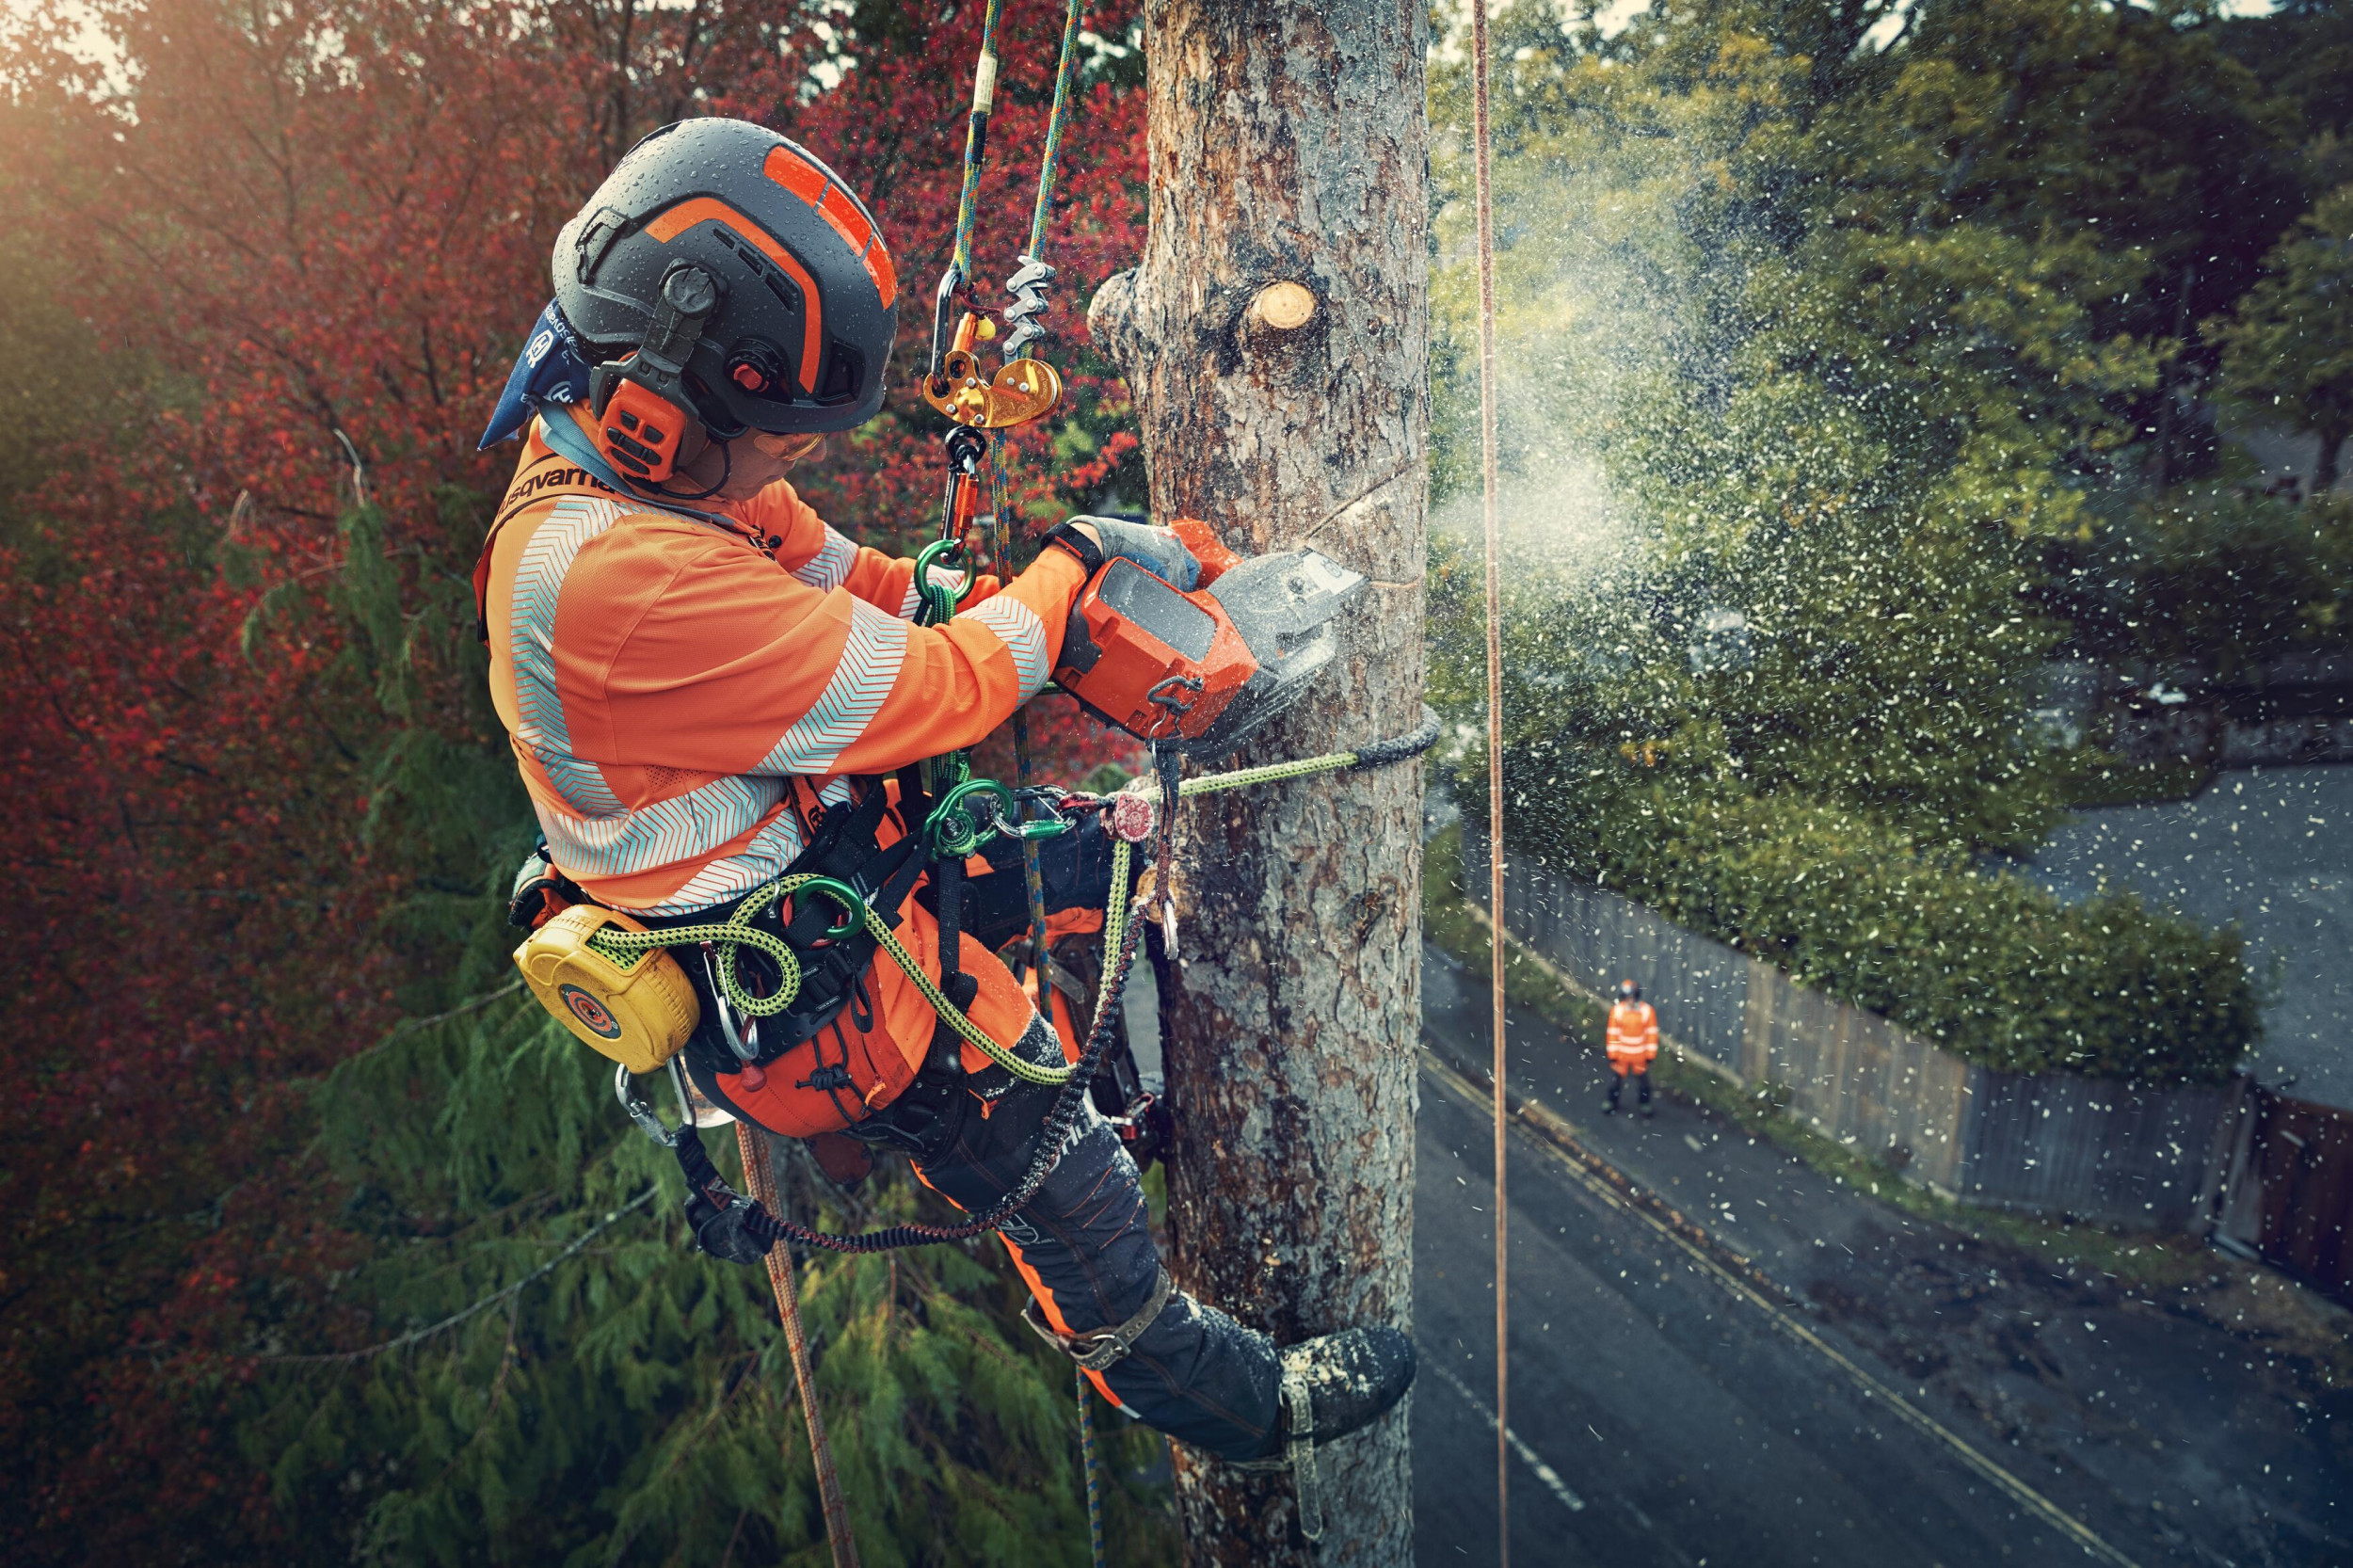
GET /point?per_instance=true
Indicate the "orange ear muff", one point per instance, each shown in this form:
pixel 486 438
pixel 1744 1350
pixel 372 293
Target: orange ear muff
pixel 639 430
pixel 637 399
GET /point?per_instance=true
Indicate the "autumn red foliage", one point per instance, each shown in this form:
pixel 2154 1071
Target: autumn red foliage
pixel 298 245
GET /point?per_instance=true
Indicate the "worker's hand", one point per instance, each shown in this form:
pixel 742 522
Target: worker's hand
pixel 1157 550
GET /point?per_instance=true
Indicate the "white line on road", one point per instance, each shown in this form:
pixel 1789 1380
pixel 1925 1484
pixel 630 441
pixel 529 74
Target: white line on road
pixel 1528 1456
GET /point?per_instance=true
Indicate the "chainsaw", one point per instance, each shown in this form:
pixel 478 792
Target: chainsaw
pixel 1199 672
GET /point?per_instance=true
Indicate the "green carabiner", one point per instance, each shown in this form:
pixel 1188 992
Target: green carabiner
pixel 955 832
pixel 939 599
pixel 852 904
pixel 1037 829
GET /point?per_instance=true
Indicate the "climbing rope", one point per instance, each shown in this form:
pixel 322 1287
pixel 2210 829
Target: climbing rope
pixel 976 136
pixel 1088 1463
pixel 1056 119
pixel 759 1177
pixel 1494 530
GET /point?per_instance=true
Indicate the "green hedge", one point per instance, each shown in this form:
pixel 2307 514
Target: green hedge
pixel 1989 965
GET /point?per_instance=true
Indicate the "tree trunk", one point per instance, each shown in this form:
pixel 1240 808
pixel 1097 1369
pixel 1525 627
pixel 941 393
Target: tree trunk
pixel 1276 339
pixel 2325 471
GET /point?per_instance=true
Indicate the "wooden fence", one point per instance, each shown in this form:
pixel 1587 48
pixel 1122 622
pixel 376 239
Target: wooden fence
pixel 2288 1196
pixel 2050 1142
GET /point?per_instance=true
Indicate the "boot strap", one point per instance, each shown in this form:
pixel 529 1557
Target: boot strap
pixel 1298 1456
pixel 1100 1348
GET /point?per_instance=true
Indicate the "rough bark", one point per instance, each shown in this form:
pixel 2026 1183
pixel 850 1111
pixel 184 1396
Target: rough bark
pixel 1289 153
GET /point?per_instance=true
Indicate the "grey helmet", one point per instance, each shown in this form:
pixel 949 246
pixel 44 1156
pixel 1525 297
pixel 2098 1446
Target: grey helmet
pixel 799 335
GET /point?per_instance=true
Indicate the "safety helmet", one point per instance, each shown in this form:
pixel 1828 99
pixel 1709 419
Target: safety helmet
pixel 1628 991
pixel 723 273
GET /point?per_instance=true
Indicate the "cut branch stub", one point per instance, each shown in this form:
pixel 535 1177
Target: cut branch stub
pixel 1279 309
pixel 1281 326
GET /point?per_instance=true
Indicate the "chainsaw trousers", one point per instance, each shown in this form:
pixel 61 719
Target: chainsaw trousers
pixel 1083 1245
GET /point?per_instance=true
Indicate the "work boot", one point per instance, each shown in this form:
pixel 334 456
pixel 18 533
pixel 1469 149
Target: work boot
pixel 1351 1378
pixel 1332 1385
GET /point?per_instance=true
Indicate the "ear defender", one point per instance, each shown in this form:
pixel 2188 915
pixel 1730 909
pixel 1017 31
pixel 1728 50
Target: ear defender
pixel 640 401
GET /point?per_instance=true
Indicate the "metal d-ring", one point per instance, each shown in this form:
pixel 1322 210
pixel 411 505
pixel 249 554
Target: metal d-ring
pixel 853 905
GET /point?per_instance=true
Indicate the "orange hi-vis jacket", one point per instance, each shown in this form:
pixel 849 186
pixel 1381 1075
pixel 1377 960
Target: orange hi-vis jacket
pixel 1633 1033
pixel 683 687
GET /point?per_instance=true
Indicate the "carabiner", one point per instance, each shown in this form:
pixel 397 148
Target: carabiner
pixel 648 1120
pixel 952 829
pixel 852 904
pixel 1052 825
pixel 940 599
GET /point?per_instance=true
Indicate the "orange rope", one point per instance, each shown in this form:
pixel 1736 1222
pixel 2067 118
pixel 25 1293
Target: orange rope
pixel 760 1177
pixel 1494 758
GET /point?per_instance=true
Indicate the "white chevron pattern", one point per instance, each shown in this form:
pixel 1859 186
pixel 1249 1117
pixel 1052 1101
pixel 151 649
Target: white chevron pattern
pixel 539 583
pixel 830 567
pixel 862 679
pixel 1018 627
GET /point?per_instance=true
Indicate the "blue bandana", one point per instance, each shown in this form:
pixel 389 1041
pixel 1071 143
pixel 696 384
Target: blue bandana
pixel 550 369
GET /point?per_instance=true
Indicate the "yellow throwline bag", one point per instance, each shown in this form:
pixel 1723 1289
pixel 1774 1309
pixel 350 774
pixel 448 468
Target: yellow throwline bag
pixel 639 1013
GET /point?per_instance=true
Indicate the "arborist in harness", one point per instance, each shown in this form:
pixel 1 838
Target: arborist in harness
pixel 722 707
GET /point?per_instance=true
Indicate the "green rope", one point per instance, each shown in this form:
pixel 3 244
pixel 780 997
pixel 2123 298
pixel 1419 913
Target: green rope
pixel 736 933
pixel 1055 121
pixel 1210 784
pixel 976 135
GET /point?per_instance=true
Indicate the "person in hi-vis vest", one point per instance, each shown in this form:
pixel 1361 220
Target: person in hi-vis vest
pixel 1633 1041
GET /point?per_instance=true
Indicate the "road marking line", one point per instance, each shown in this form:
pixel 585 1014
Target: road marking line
pixel 1528 1456
pixel 2024 1496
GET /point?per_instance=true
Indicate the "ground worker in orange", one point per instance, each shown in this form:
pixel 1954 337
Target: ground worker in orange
pixel 708 687
pixel 1632 1038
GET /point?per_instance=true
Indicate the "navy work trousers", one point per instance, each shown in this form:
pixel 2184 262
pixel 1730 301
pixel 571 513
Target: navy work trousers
pixel 1084 1246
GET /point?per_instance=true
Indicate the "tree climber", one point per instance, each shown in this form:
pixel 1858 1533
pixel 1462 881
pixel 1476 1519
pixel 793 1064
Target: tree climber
pixel 1632 1039
pixel 706 687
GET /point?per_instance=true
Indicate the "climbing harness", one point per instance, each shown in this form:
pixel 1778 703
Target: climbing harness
pixel 746 1229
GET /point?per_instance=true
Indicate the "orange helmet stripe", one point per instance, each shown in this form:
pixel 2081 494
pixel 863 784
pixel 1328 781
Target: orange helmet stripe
pixel 885 277
pixel 708 208
pixel 795 173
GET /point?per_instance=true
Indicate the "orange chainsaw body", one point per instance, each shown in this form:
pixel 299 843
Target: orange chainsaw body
pixel 1201 671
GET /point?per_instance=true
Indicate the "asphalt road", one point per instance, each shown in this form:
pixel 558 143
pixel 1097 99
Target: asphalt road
pixel 1673 1405
pixel 1690 1429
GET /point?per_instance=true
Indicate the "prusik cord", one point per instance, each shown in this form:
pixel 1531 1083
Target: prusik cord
pixel 1495 755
